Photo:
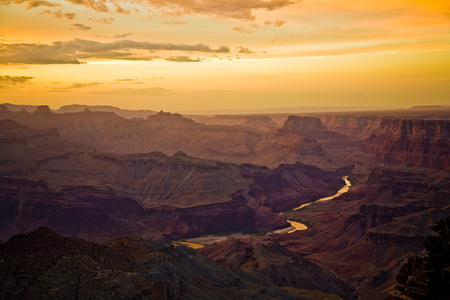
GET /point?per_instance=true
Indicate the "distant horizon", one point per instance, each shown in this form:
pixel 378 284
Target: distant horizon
pixel 278 110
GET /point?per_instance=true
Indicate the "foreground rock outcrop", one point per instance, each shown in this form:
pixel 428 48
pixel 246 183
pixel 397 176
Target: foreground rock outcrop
pixel 44 265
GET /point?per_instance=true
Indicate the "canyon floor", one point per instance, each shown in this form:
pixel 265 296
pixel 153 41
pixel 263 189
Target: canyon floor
pixel 119 192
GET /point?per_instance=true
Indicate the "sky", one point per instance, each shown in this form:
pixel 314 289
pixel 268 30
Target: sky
pixel 203 55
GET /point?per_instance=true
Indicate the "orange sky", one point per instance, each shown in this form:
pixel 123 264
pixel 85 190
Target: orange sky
pixel 185 55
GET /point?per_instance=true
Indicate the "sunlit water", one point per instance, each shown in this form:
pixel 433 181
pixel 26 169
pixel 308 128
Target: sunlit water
pixel 192 245
pixel 297 226
pixel 344 189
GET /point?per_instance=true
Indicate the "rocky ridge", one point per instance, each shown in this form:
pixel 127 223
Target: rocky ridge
pixel 44 265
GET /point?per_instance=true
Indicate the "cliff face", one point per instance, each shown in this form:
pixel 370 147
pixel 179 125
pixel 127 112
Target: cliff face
pixel 421 143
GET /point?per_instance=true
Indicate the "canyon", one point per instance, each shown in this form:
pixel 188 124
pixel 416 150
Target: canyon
pixel 92 174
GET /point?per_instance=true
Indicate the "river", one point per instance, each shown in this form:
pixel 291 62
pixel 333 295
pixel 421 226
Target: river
pixel 200 242
pixel 299 226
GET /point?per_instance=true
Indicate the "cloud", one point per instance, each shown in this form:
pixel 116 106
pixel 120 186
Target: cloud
pixel 120 10
pixel 242 29
pixel 235 9
pixel 59 14
pixel 99 5
pixel 245 50
pixel 175 22
pixel 82 85
pixel 74 86
pixel 125 79
pixel 36 3
pixel 81 26
pixel 225 9
pixel 71 52
pixel 141 91
pixel 30 3
pixel 276 23
pixel 102 20
pixel 182 59
pixel 122 35
pixel 7 80
pixel 117 36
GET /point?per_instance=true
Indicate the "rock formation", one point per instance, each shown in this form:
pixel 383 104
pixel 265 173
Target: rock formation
pixel 421 143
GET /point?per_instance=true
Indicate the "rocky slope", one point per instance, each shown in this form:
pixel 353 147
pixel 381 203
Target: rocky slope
pixel 282 266
pixel 44 265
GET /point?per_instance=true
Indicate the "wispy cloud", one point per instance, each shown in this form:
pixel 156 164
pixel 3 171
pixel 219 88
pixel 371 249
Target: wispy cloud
pixel 234 9
pixel 140 91
pixel 81 26
pixel 8 80
pixel 276 23
pixel 245 50
pixel 120 10
pixel 71 52
pixel 244 29
pixel 243 9
pixel 82 85
pixel 183 59
pixel 59 14
pixel 125 79
pixel 117 36
pixel 102 20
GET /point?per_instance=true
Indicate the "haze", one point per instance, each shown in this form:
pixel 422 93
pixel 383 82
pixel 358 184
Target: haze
pixel 225 55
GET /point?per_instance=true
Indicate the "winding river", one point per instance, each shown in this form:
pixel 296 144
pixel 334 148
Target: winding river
pixel 344 189
pixel 200 242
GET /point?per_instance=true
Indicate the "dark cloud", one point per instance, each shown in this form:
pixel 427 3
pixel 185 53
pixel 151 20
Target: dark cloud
pixel 182 59
pixel 59 14
pixel 71 52
pixel 245 50
pixel 276 23
pixel 37 3
pixel 81 26
pixel 7 80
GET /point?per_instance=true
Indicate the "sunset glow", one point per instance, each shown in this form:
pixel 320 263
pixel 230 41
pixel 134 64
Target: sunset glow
pixel 225 55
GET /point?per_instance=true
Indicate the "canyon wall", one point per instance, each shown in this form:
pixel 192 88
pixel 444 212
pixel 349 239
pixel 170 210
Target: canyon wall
pixel 410 142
